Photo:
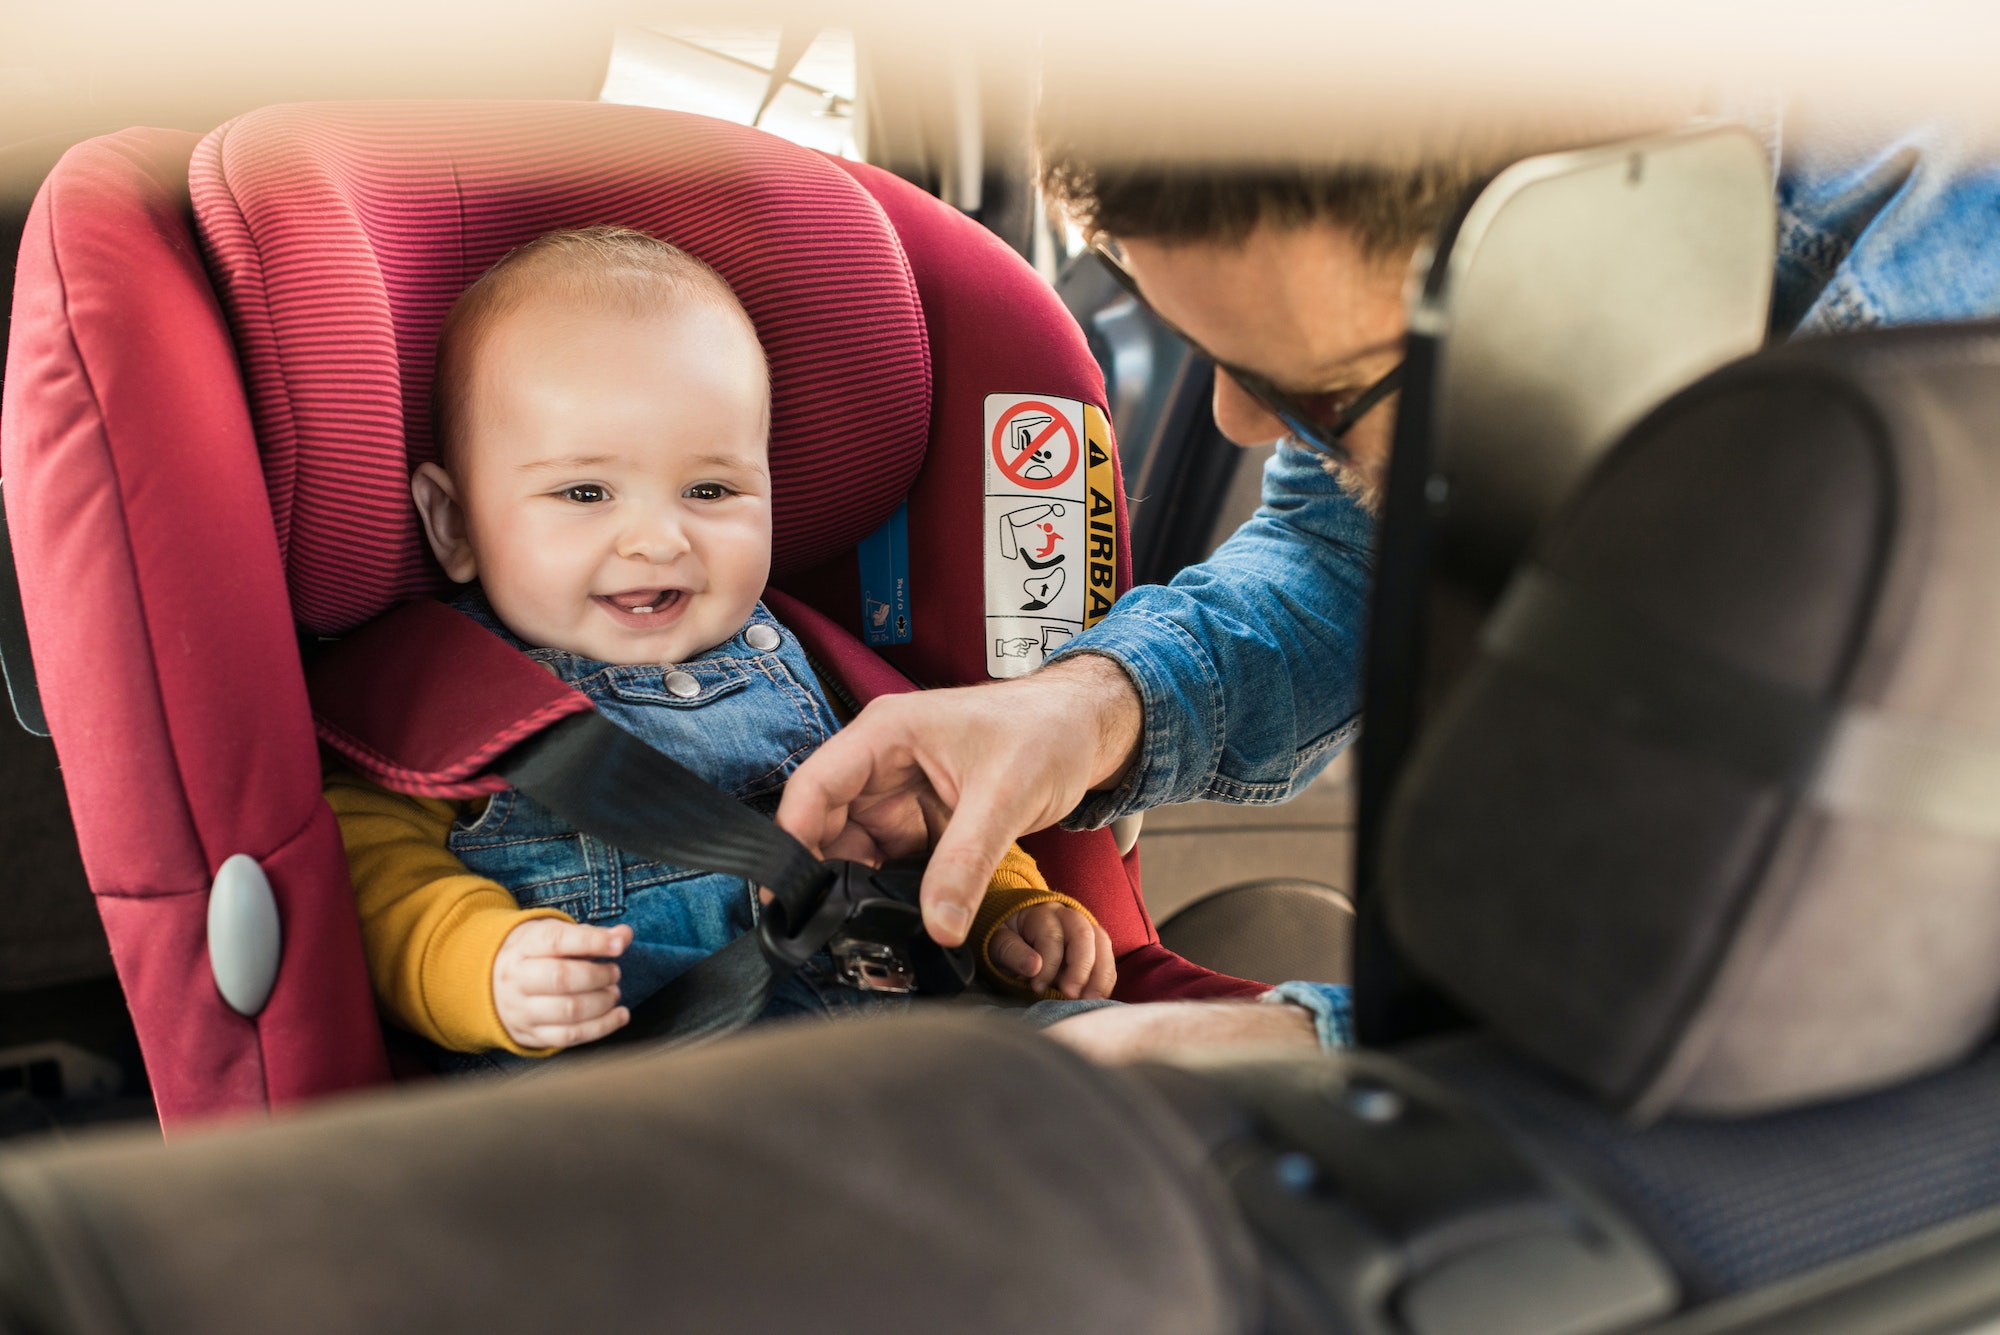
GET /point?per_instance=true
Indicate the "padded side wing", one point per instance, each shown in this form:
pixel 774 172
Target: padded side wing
pixel 142 529
pixel 392 700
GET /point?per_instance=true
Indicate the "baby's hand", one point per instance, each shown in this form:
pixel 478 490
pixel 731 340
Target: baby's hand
pixel 552 986
pixel 1053 945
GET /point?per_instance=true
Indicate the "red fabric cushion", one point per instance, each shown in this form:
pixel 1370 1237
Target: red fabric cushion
pixel 392 700
pixel 339 235
pixel 163 643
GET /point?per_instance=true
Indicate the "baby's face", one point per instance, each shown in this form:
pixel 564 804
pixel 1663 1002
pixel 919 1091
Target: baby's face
pixel 613 480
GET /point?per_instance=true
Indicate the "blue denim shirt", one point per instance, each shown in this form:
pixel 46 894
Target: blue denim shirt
pixel 754 718
pixel 1249 664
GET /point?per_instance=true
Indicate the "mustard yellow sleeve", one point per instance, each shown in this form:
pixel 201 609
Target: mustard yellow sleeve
pixel 430 928
pixel 1017 884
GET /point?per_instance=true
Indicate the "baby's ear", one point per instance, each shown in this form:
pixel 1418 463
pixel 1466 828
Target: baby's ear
pixel 443 518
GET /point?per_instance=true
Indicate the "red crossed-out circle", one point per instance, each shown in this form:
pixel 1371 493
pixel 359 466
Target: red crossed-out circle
pixel 1012 471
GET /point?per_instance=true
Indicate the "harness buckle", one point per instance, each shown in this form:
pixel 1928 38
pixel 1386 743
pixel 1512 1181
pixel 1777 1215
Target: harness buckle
pixel 868 920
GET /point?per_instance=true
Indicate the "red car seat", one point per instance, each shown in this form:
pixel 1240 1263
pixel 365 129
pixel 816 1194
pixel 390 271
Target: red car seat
pixel 206 447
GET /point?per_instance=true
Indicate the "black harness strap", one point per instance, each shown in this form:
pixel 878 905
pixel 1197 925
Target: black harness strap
pixel 609 784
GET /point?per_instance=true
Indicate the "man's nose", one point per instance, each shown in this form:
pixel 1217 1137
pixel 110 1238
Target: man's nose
pixel 1242 418
pixel 655 535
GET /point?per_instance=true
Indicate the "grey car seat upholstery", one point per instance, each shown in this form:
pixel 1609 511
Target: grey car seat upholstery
pixel 1271 930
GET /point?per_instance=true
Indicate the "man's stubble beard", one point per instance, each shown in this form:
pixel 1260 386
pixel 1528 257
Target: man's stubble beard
pixel 1363 485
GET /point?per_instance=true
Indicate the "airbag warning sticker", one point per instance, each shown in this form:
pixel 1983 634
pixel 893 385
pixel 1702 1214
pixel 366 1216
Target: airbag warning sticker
pixel 1051 527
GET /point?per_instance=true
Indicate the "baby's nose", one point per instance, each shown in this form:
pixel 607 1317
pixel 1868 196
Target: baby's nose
pixel 655 538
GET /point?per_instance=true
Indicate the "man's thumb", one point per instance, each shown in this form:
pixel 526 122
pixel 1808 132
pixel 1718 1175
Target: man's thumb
pixel 968 849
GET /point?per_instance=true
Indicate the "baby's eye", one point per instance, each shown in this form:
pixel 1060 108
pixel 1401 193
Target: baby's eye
pixel 585 493
pixel 706 491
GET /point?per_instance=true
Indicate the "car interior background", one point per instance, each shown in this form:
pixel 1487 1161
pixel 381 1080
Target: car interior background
pixel 1779 1180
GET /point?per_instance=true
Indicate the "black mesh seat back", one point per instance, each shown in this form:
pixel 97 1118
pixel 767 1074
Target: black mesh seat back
pixel 1271 931
pixel 1653 837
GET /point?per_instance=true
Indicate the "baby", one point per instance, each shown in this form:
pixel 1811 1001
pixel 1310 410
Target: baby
pixel 603 412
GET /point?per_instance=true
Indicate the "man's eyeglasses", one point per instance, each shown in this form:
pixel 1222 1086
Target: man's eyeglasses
pixel 1317 420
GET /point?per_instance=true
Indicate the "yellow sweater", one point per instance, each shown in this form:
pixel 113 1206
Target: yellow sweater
pixel 432 929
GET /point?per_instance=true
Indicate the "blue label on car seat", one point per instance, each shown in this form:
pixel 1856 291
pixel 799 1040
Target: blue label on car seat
pixel 885 581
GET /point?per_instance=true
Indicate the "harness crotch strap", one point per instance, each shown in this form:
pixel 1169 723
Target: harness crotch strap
pixel 426 701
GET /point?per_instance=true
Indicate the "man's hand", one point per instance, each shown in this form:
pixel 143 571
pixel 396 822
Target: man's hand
pixel 552 986
pixel 966 770
pixel 1163 1028
pixel 1054 946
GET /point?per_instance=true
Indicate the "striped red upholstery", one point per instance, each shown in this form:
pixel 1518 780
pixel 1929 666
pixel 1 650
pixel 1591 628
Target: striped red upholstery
pixel 339 235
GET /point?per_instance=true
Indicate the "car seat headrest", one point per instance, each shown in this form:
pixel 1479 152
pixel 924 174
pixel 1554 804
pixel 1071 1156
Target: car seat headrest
pixel 340 234
pixel 1713 825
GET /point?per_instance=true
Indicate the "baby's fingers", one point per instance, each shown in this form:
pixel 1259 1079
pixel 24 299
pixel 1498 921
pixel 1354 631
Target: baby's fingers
pixel 1104 971
pixel 1080 948
pixel 1046 933
pixel 552 975
pixel 585 1031
pixel 1010 954
pixel 582 941
pixel 567 1008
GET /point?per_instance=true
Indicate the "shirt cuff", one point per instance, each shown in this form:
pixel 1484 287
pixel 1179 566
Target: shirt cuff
pixel 1332 1007
pixel 457 999
pixel 1180 698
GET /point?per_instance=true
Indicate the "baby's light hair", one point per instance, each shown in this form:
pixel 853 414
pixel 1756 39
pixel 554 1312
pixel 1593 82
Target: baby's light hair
pixel 618 269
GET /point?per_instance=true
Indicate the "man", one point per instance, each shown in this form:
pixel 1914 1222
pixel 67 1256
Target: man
pixel 1291 279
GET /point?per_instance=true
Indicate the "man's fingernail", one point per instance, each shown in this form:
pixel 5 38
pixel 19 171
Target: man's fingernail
pixel 953 918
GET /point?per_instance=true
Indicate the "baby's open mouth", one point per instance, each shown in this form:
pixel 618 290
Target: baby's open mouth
pixel 634 605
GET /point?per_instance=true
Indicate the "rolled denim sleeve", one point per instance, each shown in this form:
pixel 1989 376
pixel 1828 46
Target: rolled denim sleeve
pixel 1882 233
pixel 1248 665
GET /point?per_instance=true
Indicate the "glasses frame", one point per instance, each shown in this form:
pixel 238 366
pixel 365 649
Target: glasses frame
pixel 1323 437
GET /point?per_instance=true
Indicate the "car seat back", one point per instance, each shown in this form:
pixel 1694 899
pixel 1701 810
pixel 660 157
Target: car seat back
pixel 1713 824
pixel 177 513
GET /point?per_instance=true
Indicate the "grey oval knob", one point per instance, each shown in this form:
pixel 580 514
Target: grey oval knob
pixel 682 684
pixel 761 637
pixel 244 939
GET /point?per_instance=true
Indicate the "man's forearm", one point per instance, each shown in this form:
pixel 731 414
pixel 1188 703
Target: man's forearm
pixel 1247 667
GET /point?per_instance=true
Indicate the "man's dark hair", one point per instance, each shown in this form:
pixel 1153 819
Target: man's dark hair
pixel 1387 208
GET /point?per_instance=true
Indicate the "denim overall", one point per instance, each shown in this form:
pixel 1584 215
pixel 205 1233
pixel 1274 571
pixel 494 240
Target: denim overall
pixel 750 719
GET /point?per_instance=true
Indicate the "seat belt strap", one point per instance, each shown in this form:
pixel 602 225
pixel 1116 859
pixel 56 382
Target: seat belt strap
pixel 608 783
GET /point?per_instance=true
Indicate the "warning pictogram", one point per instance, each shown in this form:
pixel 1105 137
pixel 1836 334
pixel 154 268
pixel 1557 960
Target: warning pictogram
pixel 1035 445
pixel 1051 541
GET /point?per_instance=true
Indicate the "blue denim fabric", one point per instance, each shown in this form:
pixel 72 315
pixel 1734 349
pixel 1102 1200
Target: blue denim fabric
pixel 1878 234
pixel 1330 1004
pixel 1248 665
pixel 756 717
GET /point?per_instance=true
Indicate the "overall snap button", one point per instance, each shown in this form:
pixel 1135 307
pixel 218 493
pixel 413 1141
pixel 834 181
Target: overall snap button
pixel 682 685
pixel 761 637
